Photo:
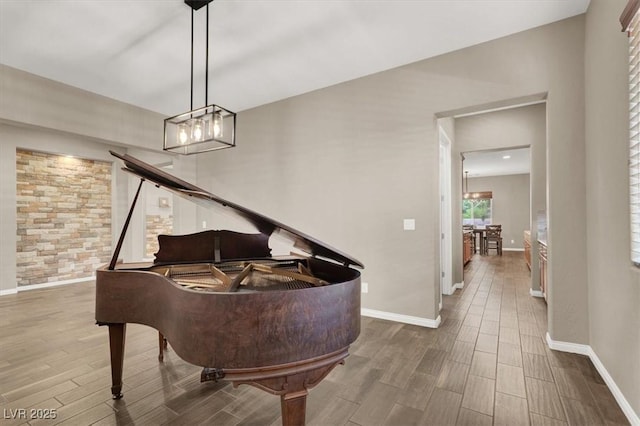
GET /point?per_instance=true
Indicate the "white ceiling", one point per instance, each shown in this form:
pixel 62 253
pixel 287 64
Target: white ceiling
pixel 497 162
pixel 137 51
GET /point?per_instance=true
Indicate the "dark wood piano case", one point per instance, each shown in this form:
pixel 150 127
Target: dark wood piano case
pixel 279 340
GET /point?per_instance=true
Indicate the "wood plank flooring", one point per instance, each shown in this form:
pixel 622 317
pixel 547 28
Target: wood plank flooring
pixel 487 364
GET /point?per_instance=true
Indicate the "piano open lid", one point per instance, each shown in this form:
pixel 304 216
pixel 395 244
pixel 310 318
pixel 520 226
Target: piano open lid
pixel 264 224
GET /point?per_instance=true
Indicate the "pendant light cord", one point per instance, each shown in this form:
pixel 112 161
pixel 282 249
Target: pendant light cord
pixel 191 109
pixel 206 68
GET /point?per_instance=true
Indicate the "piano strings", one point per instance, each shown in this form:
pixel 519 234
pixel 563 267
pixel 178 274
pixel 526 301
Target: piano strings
pixel 255 275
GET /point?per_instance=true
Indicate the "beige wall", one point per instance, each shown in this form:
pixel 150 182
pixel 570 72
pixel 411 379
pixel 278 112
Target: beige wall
pixel 348 163
pixel 31 100
pixel 614 284
pixel 510 205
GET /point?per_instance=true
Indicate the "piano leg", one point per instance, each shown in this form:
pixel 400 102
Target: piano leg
pixel 162 344
pixel 293 408
pixel 116 344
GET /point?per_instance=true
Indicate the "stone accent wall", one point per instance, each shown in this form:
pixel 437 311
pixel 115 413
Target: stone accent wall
pixel 64 217
pixel 156 225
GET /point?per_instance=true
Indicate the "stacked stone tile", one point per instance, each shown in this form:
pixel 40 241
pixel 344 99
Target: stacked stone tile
pixel 156 225
pixel 63 217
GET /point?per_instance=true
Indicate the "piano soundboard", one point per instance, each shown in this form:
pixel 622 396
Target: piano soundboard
pixel 242 276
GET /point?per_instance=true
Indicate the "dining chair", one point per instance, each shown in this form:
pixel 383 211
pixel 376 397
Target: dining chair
pixel 493 239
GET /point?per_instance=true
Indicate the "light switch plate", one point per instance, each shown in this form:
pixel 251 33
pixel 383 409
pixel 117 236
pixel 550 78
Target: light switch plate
pixel 409 224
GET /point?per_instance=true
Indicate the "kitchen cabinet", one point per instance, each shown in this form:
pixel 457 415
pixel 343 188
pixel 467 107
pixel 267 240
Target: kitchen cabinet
pixel 467 246
pixel 527 248
pixel 542 250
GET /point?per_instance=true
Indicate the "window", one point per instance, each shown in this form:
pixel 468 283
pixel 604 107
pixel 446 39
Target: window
pixel 476 211
pixel 630 22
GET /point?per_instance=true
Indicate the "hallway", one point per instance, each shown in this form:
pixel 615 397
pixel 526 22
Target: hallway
pixel 487 364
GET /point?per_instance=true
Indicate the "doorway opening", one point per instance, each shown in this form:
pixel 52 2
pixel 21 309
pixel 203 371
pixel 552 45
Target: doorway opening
pixel 494 129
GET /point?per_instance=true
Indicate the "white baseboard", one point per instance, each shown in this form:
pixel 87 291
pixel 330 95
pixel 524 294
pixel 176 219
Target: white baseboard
pixel 453 288
pixel 576 348
pixel 512 249
pixel 8 292
pixel 632 416
pixel 537 293
pixel 54 284
pixel 406 319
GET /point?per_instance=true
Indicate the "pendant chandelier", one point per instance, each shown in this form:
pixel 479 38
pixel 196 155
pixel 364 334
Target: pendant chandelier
pixel 474 195
pixel 209 128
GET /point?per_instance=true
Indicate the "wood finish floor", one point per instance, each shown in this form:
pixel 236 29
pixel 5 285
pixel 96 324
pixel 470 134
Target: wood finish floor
pixel 487 364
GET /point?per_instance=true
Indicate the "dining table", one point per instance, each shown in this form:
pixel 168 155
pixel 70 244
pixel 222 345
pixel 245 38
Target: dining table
pixel 479 233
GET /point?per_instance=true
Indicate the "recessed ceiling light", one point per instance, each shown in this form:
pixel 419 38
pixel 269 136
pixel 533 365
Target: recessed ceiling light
pixel 506 157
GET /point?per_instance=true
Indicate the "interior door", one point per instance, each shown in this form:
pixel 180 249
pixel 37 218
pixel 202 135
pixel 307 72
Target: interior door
pixel 446 283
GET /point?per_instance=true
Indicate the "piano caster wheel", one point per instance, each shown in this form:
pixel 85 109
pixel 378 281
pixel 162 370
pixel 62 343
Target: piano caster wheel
pixel 116 392
pixel 163 346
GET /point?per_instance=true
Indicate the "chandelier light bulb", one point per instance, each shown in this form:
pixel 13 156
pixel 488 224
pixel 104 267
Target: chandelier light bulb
pixel 217 125
pixel 183 134
pixel 197 130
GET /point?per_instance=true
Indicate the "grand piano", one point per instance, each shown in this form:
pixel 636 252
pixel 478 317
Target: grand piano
pixel 224 303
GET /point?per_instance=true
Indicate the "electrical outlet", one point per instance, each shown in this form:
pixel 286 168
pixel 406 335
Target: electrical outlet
pixel 365 287
pixel 204 224
pixel 512 241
